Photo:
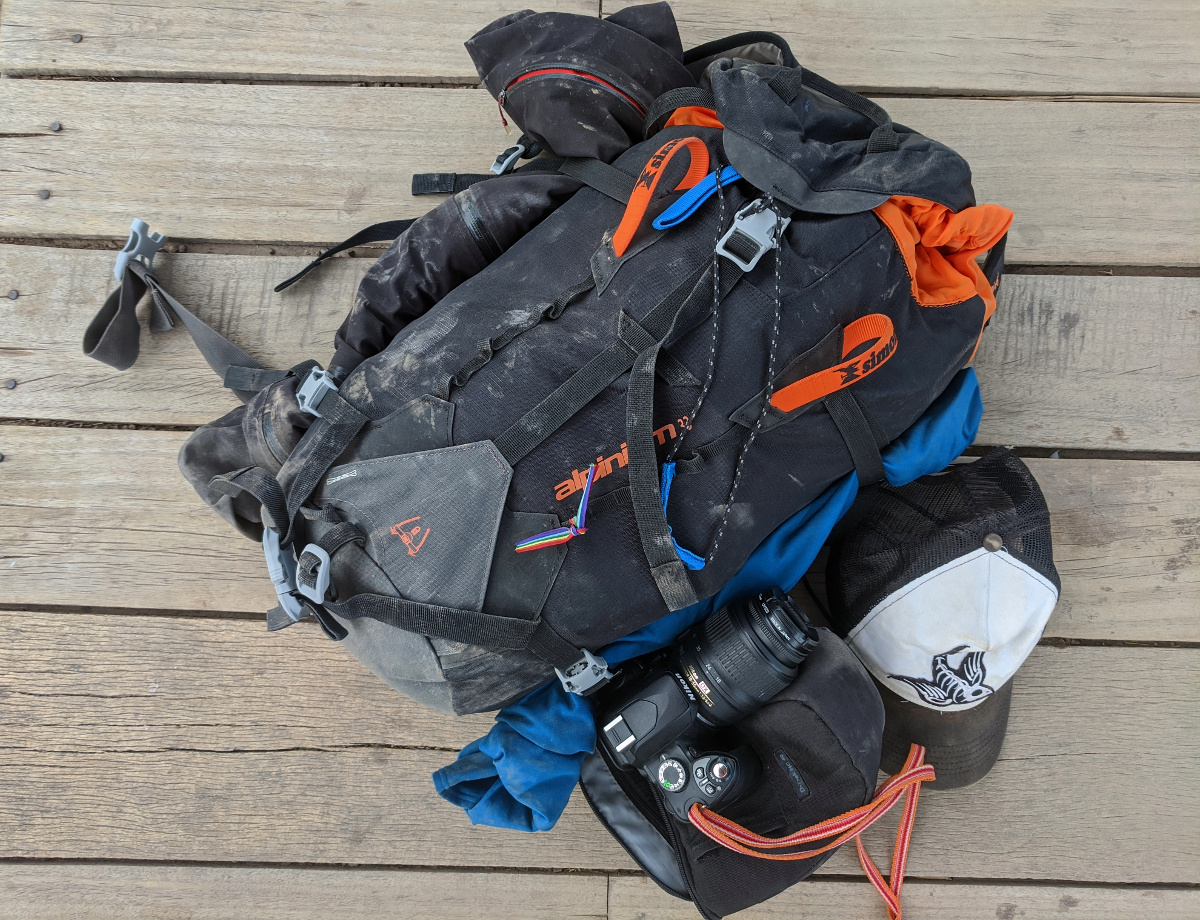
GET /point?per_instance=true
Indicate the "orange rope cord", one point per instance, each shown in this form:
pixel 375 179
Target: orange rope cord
pixel 906 784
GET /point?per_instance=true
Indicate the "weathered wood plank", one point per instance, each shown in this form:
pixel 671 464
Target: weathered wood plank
pixel 633 898
pixel 99 683
pixel 116 892
pixel 103 518
pixel 131 892
pixel 1062 47
pixel 977 47
pixel 412 40
pixel 312 164
pixel 1068 361
pixel 1107 735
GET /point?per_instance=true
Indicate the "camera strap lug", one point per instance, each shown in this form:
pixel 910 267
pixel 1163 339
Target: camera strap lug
pixel 585 676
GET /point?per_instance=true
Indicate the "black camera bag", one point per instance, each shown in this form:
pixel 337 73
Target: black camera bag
pixel 819 746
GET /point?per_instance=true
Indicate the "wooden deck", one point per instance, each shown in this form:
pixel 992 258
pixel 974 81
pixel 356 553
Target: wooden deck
pixel 161 756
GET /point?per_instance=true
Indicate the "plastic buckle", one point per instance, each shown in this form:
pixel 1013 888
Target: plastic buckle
pixel 316 386
pixel 508 159
pixel 142 245
pixel 756 226
pixel 589 673
pixel 281 565
pixel 320 588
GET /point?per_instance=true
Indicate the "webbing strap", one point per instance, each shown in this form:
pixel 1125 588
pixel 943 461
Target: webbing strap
pixel 453 183
pixel 603 177
pixel 537 424
pixel 317 451
pixel 860 439
pixel 376 233
pixel 257 482
pixel 112 335
pixel 672 99
pixel 670 574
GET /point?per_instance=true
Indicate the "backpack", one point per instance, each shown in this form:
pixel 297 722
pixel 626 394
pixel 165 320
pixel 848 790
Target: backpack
pixel 578 394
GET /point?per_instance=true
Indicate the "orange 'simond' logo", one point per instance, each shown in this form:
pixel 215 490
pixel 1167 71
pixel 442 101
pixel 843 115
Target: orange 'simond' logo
pixel 410 534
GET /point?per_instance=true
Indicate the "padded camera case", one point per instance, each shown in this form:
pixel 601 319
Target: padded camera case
pixel 819 746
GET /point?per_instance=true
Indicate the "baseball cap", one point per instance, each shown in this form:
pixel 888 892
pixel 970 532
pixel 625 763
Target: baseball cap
pixel 942 590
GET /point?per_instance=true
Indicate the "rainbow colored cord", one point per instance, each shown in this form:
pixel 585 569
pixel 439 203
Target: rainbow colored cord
pixel 574 527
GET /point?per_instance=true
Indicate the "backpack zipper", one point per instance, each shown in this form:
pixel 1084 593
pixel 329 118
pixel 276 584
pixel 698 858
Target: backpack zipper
pixel 571 74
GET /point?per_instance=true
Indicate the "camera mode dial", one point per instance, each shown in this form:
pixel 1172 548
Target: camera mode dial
pixel 672 775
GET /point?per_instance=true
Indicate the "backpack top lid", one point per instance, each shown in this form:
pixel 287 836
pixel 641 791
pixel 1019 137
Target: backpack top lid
pixel 824 149
pixel 578 85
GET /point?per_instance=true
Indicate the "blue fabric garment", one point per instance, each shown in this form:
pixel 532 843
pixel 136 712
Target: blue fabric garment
pixel 521 774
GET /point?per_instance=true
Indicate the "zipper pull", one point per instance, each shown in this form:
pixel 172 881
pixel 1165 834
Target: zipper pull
pixel 500 108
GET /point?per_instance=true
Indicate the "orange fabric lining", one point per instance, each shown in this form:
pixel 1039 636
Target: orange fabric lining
pixel 697 115
pixel 647 182
pixel 939 248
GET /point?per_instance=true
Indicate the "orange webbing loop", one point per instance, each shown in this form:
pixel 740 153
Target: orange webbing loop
pixel 647 182
pixel 876 328
pixel 906 784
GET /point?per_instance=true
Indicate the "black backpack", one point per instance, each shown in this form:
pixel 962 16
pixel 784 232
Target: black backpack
pixel 687 310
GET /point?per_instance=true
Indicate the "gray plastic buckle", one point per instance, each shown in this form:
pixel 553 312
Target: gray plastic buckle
pixel 508 159
pixel 142 245
pixel 755 225
pixel 320 588
pixel 281 564
pixel 587 674
pixel 316 386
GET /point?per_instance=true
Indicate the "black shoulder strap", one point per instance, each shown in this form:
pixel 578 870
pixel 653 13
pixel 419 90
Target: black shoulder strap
pixel 113 334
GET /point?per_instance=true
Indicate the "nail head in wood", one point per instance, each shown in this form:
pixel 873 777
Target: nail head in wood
pixel 10 384
pixel 77 38
pixel 55 126
pixel 44 194
pixel 14 294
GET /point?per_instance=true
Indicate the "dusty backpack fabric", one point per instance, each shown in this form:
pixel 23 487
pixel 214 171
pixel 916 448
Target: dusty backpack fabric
pixel 724 285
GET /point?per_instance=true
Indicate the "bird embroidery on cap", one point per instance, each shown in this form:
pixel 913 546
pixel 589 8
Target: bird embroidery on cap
pixel 952 686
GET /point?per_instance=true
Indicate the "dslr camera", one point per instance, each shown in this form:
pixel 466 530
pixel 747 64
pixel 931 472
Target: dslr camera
pixel 665 717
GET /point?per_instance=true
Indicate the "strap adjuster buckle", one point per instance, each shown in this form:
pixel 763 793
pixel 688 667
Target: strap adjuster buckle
pixel 316 386
pixel 319 589
pixel 588 674
pixel 755 231
pixel 281 564
pixel 508 159
pixel 141 246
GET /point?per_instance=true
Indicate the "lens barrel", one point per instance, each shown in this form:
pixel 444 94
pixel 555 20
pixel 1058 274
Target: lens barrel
pixel 744 654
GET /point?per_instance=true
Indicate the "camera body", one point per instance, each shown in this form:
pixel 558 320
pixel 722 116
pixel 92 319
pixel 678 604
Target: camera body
pixel 664 719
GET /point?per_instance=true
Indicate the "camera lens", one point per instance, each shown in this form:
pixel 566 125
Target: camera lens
pixel 744 654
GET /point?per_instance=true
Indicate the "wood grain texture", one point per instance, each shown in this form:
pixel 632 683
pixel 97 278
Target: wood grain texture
pixel 1100 743
pixel 1067 46
pixel 1068 361
pixel 409 40
pixel 1093 362
pixel 103 518
pixel 93 684
pixel 632 898
pixel 315 164
pixel 116 892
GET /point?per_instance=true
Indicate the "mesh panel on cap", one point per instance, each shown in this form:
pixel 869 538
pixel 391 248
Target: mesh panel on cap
pixel 916 528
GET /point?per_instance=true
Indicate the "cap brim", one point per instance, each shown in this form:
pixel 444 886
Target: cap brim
pixel 962 745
